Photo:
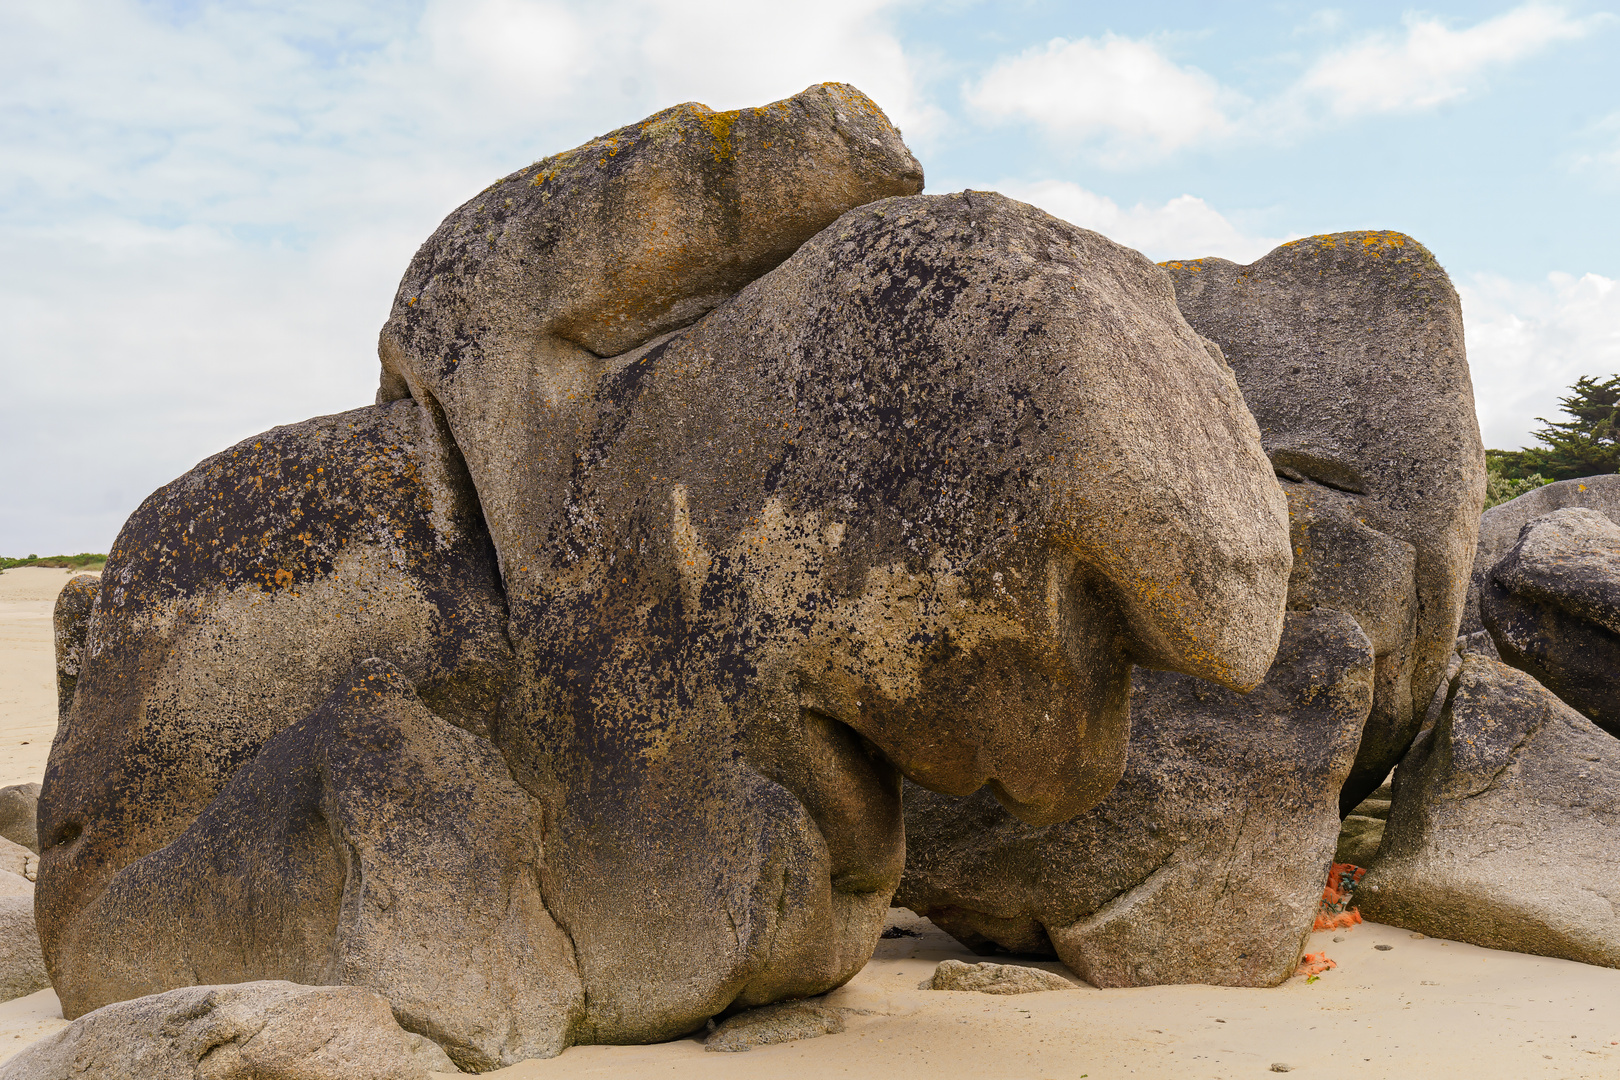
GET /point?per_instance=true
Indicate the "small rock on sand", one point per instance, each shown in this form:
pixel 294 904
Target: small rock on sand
pixel 785 1022
pixel 993 978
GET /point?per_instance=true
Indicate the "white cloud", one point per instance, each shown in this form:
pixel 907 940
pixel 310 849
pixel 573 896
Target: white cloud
pixel 1186 227
pixel 1528 341
pixel 1431 64
pixel 206 210
pixel 1122 91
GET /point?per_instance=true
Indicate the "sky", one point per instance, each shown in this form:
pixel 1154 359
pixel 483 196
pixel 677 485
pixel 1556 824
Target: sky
pixel 205 207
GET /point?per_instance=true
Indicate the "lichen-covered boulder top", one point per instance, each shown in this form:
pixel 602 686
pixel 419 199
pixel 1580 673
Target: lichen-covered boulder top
pixel 1349 349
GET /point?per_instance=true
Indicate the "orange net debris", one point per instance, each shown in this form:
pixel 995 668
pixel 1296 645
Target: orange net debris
pixel 1314 963
pixel 1336 912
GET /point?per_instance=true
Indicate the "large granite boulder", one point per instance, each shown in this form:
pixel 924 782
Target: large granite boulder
pixel 1499 529
pixel 910 503
pixel 256 1031
pixel 1505 825
pixel 236 600
pixel 370 843
pixel 1206 861
pixel 1552 608
pixel 1349 350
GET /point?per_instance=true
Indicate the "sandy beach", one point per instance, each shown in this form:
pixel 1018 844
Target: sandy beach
pixel 1396 1005
pixel 27 670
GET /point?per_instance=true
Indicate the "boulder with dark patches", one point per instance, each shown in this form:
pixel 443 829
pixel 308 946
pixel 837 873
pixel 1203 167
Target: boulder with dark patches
pixel 1504 825
pixel 370 844
pixel 235 600
pixel 1205 863
pixel 912 502
pixel 1552 608
pixel 1349 350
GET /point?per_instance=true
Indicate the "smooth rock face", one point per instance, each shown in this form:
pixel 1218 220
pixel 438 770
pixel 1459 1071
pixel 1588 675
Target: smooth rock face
pixel 993 978
pixel 1205 863
pixel 19 805
pixel 235 601
pixel 1552 608
pixel 22 965
pixel 374 814
pixel 255 1031
pixel 913 502
pixel 1505 825
pixel 72 624
pixel 1349 350
pixel 1499 527
pixel 769 1024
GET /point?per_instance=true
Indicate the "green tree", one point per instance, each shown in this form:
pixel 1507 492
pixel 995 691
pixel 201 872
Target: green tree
pixel 1586 445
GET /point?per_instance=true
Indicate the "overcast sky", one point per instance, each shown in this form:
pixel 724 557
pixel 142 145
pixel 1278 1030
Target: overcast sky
pixel 206 207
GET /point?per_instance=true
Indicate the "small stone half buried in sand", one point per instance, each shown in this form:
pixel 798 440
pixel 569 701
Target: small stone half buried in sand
pixel 993 978
pixel 774 1024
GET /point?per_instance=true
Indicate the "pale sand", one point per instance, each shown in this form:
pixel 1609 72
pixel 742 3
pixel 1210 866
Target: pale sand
pixel 27 670
pixel 1425 1008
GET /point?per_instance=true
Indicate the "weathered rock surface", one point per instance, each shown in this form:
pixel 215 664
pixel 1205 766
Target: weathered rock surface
pixel 235 601
pixel 912 502
pixel 1204 864
pixel 1349 350
pixel 22 965
pixel 1505 825
pixel 19 804
pixel 1499 527
pixel 993 978
pixel 18 860
pixel 72 624
pixel 369 844
pixel 255 1031
pixel 768 1024
pixel 1552 608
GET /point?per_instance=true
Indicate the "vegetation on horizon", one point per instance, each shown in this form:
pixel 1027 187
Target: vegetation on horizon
pixel 1586 445
pixel 82 561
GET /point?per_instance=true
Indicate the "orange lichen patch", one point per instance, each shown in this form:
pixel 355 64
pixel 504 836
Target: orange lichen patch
pixel 1335 912
pixel 1314 964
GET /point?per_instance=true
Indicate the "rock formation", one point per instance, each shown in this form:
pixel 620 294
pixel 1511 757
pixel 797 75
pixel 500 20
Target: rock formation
pixel 255 1031
pixel 1552 608
pixel 1204 864
pixel 563 696
pixel 1349 351
pixel 1499 529
pixel 1504 825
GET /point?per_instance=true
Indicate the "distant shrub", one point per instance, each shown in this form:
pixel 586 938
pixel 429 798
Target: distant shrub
pixel 82 561
pixel 1500 488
